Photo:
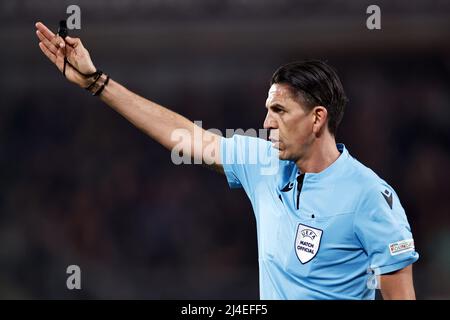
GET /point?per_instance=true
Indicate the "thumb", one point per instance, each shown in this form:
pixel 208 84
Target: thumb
pixel 74 42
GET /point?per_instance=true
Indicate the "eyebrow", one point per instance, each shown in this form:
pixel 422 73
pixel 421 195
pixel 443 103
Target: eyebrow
pixel 276 105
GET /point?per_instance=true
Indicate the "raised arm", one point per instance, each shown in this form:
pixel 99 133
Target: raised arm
pixel 156 121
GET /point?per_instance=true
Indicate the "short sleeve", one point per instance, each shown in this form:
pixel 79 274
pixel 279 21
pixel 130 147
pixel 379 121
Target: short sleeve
pixel 247 161
pixel 382 227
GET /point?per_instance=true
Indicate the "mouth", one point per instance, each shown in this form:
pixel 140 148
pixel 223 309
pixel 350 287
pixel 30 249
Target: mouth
pixel 273 140
pixel 275 143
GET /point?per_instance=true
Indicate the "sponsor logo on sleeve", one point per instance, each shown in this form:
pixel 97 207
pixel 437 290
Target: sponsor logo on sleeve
pixel 401 247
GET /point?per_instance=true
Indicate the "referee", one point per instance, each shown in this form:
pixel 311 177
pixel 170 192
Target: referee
pixel 328 227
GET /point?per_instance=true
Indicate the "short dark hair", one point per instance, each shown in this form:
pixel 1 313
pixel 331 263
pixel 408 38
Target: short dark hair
pixel 318 85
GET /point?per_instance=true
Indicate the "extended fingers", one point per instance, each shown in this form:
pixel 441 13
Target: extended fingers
pixel 45 31
pixel 60 59
pixel 58 42
pixel 46 36
pixel 47 52
pixel 49 44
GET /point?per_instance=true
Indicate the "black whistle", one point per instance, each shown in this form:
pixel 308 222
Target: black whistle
pixel 62 30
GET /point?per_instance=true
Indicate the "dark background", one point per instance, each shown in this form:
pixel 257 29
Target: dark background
pixel 79 185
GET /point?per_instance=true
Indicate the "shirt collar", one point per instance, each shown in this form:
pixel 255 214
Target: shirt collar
pixel 289 170
pixel 333 168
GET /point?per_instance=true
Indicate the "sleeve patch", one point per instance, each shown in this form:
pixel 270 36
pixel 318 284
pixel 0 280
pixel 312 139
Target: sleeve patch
pixel 401 247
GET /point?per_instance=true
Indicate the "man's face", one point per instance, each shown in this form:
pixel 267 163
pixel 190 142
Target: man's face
pixel 291 126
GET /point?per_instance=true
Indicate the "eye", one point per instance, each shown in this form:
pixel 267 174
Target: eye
pixel 278 110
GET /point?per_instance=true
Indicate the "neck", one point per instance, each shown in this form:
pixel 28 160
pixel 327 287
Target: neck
pixel 321 154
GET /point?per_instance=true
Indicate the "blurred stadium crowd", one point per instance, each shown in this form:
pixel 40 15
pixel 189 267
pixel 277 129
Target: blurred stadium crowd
pixel 79 185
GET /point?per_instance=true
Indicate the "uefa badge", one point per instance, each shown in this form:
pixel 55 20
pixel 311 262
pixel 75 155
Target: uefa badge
pixel 307 242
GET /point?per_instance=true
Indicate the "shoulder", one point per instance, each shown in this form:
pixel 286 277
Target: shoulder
pixel 249 159
pixel 375 194
pixel 365 176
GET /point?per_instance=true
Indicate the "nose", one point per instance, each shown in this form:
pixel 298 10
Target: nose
pixel 269 122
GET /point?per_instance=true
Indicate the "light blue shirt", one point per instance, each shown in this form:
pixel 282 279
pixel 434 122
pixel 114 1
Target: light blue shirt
pixel 328 240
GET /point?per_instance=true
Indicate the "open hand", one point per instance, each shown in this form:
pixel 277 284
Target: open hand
pixel 55 48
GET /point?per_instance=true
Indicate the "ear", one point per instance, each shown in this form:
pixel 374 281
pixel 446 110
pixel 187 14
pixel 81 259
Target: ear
pixel 320 118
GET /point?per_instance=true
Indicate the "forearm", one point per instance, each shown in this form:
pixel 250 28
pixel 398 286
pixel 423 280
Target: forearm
pixel 160 123
pixel 156 121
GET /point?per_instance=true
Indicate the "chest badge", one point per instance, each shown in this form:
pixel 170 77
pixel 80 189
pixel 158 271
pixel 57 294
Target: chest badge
pixel 307 242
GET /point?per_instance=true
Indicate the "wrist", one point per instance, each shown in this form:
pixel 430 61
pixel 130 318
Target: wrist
pixel 84 82
pixel 84 79
pixel 97 83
